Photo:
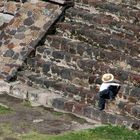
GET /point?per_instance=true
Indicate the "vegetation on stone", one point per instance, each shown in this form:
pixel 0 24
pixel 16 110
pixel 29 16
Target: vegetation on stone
pixel 4 110
pixel 107 132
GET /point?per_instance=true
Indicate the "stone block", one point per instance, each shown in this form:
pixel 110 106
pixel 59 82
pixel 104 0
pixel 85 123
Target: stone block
pixel 112 119
pixel 49 83
pixel 135 92
pixel 136 111
pixel 69 106
pixel 86 65
pixel 121 105
pixel 46 67
pixel 58 103
pixel 66 73
pixel 135 126
pixel 58 54
pixel 19 91
pixel 104 117
pixel 96 114
pixel 4 87
pixel 87 111
pixel 78 108
pixel 72 89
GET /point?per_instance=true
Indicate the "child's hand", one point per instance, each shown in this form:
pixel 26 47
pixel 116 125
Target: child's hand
pixel 97 86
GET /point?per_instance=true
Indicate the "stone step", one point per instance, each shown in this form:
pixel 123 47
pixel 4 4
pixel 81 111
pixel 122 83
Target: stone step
pixel 61 57
pixel 74 47
pixel 106 22
pixel 127 93
pixel 87 65
pixel 80 95
pixel 46 98
pixel 123 107
pixel 124 10
pixel 120 73
pixel 64 88
pixel 99 38
pixel 85 73
pixel 131 3
pixel 84 109
pixel 58 71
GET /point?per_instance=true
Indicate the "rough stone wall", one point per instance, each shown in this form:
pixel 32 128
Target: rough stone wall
pixel 92 38
pixel 21 35
pixel 96 37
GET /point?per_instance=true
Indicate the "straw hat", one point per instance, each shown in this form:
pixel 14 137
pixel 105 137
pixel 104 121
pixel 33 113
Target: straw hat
pixel 108 77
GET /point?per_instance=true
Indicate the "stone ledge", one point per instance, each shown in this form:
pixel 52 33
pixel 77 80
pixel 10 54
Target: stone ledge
pixel 63 2
pixel 47 98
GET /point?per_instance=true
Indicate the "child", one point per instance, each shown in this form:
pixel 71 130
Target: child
pixel 108 90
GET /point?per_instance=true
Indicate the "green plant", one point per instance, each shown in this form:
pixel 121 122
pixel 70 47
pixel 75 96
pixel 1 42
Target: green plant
pixel 4 109
pixel 99 133
pixel 27 103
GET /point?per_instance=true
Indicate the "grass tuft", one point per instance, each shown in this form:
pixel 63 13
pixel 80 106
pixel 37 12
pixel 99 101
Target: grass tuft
pixel 100 133
pixel 4 110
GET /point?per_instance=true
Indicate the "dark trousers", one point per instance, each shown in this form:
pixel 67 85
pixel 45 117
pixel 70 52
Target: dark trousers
pixel 109 93
pixel 103 95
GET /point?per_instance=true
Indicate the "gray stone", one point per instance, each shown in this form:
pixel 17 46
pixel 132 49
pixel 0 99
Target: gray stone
pixel 46 67
pixel 58 103
pixel 31 62
pixel 96 114
pixel 29 21
pixel 9 53
pixel 135 126
pixel 21 29
pixel 19 36
pixel 112 119
pixel 40 49
pixel 34 28
pixel 29 13
pixel 121 104
pixel 136 111
pixel 88 112
pixel 72 89
pixel 104 117
pixel 66 73
pixel 135 92
pixel 49 83
pixel 58 54
pixel 15 56
pixel 12 32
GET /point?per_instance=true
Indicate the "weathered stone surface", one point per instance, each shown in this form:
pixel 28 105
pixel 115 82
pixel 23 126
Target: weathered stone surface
pixel 99 37
pixel 11 7
pixel 136 111
pixel 27 27
pixel 28 22
pixel 5 87
pixel 9 53
pixel 58 103
pixel 46 68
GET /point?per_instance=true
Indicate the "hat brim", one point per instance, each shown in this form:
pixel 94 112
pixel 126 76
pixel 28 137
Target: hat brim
pixel 109 80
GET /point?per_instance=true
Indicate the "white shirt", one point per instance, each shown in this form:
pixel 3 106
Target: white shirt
pixel 106 85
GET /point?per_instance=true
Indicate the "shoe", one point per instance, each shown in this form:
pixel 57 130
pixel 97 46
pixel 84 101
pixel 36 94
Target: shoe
pixel 101 109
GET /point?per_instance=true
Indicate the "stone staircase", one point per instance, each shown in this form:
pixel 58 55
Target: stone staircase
pixel 93 38
pixel 63 64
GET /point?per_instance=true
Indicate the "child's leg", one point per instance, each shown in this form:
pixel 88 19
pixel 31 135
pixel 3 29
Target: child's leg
pixel 101 103
pixel 102 97
pixel 111 95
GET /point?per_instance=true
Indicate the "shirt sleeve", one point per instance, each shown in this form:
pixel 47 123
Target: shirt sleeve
pixel 114 84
